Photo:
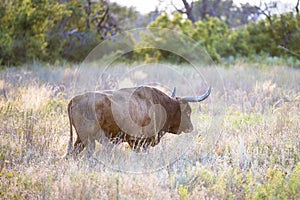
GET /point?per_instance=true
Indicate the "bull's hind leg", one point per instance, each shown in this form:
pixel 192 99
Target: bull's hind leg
pixel 78 146
pixel 90 148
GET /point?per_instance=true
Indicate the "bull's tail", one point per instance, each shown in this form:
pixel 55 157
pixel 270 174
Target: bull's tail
pixel 70 146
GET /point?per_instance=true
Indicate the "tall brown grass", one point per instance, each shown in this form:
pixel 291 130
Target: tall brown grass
pixel 254 156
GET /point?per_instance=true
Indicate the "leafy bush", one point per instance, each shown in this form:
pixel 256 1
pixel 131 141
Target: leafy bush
pixel 267 35
pixel 257 38
pixel 278 185
pixel 40 30
pixel 25 26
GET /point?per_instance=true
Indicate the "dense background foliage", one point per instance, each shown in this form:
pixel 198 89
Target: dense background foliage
pixel 262 37
pixel 49 30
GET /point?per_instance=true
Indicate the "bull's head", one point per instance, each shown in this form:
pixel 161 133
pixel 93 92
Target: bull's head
pixel 186 125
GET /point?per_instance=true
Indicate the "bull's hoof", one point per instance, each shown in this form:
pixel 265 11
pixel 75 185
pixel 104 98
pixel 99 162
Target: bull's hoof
pixel 67 156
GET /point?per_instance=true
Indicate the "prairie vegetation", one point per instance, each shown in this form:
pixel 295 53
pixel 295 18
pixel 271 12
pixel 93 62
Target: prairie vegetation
pixel 256 154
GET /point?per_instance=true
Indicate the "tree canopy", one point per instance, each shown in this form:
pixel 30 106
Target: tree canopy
pixel 49 30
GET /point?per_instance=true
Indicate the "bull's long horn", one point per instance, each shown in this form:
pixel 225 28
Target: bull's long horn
pixel 173 93
pixel 197 99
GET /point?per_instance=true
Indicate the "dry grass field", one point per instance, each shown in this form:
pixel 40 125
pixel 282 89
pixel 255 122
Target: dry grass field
pixel 256 154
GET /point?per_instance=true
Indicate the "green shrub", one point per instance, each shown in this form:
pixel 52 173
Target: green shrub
pixel 278 185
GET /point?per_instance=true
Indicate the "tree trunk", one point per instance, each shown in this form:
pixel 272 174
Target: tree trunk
pixel 204 9
pixel 88 10
pixel 189 8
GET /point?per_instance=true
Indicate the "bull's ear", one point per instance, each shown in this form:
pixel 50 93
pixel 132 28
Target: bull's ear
pixel 173 93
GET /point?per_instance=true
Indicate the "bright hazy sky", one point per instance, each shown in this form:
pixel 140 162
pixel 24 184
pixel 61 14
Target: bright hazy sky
pixel 145 6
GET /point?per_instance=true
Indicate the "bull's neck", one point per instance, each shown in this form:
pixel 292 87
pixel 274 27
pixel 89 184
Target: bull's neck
pixel 174 117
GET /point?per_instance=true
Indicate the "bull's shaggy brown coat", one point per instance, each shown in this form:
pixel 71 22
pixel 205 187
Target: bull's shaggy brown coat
pixel 139 116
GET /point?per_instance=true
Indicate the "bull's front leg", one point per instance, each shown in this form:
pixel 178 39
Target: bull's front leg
pixel 139 144
pixel 156 139
pixel 134 144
